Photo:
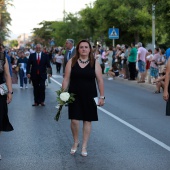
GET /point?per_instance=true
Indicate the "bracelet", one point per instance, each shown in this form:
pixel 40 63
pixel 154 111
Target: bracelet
pixel 11 92
pixel 102 97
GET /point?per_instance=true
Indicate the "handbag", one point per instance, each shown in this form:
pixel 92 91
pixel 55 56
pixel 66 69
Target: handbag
pixel 3 89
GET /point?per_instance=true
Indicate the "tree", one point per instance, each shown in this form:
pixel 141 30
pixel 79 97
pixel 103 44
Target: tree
pixel 13 43
pixel 132 17
pixel 88 22
pixel 43 34
pixel 5 19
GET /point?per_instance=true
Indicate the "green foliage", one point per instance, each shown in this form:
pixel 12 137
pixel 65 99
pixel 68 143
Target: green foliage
pixel 43 34
pixel 13 43
pixel 132 17
pixel 5 19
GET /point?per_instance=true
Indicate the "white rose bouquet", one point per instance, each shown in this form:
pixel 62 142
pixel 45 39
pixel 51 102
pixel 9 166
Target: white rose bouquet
pixel 62 99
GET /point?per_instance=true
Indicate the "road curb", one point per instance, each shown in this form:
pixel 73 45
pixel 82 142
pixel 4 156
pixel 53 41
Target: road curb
pixel 144 85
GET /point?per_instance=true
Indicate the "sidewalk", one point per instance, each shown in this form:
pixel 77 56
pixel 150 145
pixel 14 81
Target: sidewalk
pixel 135 82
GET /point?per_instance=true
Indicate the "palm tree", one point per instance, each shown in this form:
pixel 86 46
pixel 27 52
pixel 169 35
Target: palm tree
pixel 5 19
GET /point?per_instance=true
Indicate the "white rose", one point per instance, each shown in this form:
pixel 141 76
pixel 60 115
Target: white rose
pixel 64 96
pixel 1 92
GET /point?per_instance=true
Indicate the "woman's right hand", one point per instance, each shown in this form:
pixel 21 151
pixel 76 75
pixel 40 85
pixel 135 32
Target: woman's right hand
pixel 165 95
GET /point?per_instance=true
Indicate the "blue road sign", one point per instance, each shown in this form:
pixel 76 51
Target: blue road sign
pixel 113 33
pixel 52 43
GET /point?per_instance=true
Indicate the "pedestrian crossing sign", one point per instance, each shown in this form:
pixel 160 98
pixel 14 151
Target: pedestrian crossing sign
pixel 113 33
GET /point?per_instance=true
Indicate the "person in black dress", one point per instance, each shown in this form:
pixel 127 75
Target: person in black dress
pixel 167 88
pixel 81 74
pixel 5 125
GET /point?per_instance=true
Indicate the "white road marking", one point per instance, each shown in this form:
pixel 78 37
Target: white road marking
pixel 56 81
pixel 130 126
pixel 136 129
pixel 57 76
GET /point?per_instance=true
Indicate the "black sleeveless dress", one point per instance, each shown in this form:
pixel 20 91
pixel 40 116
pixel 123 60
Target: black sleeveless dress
pixel 168 103
pixel 4 121
pixel 83 85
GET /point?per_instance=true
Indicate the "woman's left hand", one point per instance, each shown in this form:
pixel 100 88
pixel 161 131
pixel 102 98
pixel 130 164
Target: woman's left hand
pixel 9 98
pixel 165 95
pixel 101 102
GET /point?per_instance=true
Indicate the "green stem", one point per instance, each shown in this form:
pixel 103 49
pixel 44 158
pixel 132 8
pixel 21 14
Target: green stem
pixel 58 113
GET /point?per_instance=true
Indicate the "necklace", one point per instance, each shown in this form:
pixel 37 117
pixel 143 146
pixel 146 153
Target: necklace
pixel 84 62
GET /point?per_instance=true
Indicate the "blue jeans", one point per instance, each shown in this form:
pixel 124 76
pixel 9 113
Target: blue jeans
pixel 22 77
pixel 141 66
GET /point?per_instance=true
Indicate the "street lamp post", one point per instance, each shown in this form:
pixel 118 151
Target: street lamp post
pixel 153 27
pixel 64 10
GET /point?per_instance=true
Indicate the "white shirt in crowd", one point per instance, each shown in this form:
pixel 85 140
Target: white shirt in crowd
pixel 149 57
pixel 59 58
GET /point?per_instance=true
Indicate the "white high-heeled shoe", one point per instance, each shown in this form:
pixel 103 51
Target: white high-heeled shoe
pixel 73 151
pixel 84 153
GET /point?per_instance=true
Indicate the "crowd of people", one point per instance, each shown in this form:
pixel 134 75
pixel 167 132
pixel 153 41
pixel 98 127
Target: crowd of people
pixel 133 62
pixel 18 59
pixel 85 64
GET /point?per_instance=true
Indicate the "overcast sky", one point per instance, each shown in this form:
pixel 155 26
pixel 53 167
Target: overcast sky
pixel 26 14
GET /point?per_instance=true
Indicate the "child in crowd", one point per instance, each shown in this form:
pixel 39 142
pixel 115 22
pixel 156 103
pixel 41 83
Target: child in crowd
pixel 160 82
pixel 22 64
pixel 113 72
pixel 154 70
pixel 161 61
pixel 148 62
pixel 58 59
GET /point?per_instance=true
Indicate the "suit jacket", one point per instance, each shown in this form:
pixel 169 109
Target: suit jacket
pixel 33 66
pixel 65 58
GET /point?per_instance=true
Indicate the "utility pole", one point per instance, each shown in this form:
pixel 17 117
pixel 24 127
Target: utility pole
pixel 64 17
pixel 153 27
pixel 24 39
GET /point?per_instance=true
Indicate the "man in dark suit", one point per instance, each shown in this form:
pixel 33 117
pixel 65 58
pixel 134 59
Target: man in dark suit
pixel 70 52
pixel 37 66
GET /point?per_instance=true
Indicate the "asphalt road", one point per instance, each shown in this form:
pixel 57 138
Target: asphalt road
pixel 132 132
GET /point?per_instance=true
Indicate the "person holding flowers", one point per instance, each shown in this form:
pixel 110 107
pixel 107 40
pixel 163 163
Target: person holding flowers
pixel 81 73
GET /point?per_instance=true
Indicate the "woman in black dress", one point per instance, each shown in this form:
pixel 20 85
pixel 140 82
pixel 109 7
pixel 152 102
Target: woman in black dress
pixel 4 99
pixel 167 88
pixel 81 74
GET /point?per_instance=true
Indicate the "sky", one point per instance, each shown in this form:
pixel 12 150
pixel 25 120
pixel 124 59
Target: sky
pixel 26 14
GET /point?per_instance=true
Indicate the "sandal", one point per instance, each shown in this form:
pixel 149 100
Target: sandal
pixel 84 154
pixel 73 150
pixel 141 81
pixel 156 92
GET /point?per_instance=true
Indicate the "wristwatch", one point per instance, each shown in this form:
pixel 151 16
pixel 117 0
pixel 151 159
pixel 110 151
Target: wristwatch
pixel 11 92
pixel 102 97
